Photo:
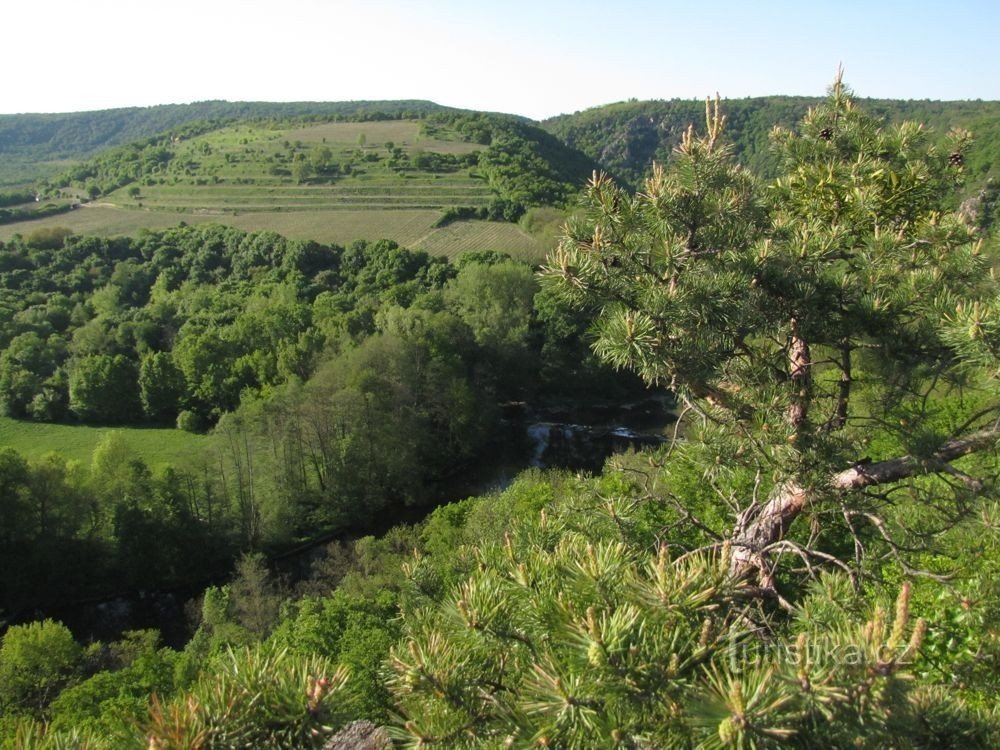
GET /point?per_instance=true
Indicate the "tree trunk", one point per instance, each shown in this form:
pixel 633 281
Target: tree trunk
pixel 800 375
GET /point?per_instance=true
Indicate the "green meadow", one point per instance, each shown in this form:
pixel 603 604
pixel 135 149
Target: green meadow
pixel 412 228
pixel 155 445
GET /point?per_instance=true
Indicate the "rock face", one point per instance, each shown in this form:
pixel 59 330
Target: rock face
pixel 360 735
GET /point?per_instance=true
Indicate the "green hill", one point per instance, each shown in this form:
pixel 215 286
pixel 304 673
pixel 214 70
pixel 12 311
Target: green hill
pixel 40 145
pixel 404 179
pixel 625 138
pixel 414 172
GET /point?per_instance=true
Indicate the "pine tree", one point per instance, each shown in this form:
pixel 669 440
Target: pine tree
pixel 576 632
pixel 831 334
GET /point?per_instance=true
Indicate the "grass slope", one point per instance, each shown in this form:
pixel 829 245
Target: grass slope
pixel 156 445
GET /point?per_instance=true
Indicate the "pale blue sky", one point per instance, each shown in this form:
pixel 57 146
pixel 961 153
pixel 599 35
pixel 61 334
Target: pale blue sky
pixel 533 58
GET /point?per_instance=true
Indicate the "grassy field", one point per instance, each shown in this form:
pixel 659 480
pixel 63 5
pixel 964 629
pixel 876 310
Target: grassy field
pixel 482 235
pixel 103 221
pixel 412 228
pixel 156 445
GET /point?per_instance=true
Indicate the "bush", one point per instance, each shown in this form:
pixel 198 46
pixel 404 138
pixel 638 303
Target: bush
pixel 190 421
pixel 459 213
pixel 259 697
pixel 36 661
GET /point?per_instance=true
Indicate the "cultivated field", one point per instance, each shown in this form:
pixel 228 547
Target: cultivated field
pixel 412 228
pixel 482 235
pixel 374 165
pixel 405 133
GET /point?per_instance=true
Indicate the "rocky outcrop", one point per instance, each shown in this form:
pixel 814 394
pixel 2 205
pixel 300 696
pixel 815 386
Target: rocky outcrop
pixel 360 735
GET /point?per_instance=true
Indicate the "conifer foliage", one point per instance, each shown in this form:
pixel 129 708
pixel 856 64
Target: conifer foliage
pixel 839 413
pixel 576 631
pixel 819 330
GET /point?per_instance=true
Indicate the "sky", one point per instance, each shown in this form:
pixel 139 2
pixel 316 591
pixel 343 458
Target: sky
pixel 538 59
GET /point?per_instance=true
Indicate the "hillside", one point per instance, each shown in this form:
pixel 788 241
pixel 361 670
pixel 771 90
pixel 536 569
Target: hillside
pixel 625 138
pixel 40 145
pixel 400 170
pixel 428 183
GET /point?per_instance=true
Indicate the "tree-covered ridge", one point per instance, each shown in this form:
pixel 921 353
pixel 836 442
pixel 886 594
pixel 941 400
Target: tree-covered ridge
pixel 627 137
pixel 525 165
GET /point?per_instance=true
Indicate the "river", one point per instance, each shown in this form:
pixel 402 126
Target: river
pixel 554 437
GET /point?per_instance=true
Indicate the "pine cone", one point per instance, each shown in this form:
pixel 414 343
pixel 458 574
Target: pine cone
pixel 956 159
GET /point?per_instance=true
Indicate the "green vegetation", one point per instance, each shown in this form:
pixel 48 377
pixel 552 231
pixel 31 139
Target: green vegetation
pixel 31 212
pixel 342 383
pixel 34 143
pixel 408 179
pixel 626 138
pixel 16 197
pixel 233 314
pixel 812 561
pixel 21 205
pixel 156 446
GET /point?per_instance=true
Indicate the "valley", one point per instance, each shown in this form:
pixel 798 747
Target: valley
pixel 660 424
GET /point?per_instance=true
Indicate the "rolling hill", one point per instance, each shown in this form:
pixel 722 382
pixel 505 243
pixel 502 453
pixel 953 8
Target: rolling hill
pixel 34 146
pixel 411 171
pixel 427 183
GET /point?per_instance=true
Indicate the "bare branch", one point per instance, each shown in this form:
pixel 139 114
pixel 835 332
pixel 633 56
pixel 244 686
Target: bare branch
pixel 760 526
pixel 806 552
pixel 903 467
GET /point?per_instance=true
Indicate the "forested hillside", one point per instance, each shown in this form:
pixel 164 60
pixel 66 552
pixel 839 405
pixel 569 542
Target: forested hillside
pixel 627 137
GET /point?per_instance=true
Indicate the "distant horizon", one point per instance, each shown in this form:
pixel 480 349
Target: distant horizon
pixel 536 59
pixel 493 111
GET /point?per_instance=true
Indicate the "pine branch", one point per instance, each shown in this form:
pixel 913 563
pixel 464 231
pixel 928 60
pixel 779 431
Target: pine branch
pixel 904 467
pixel 760 527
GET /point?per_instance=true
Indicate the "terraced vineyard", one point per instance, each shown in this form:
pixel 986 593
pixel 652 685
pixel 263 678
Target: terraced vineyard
pixel 331 182
pixel 373 166
pixel 481 235
pixel 350 193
